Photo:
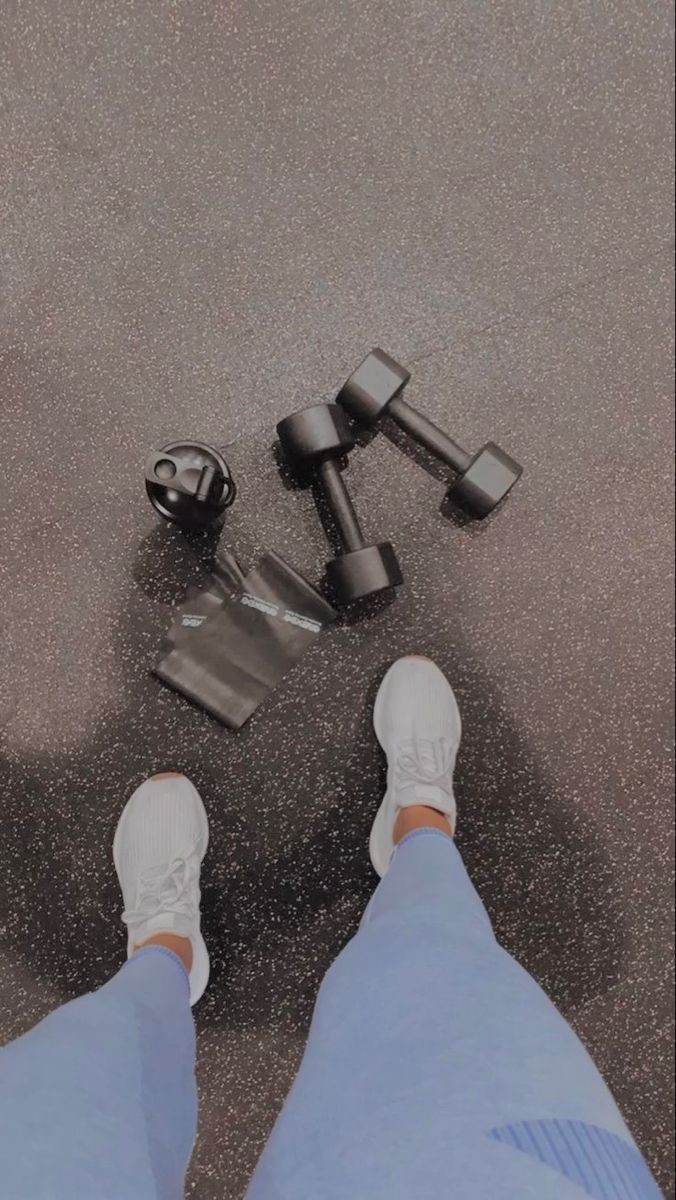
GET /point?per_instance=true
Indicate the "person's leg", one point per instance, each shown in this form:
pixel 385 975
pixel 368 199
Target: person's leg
pixel 99 1099
pixel 435 1066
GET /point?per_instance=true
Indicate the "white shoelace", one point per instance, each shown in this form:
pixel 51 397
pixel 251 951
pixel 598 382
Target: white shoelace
pixel 162 889
pixel 425 761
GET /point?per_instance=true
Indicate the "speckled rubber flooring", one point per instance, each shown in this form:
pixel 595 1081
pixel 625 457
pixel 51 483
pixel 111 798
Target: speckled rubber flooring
pixel 209 212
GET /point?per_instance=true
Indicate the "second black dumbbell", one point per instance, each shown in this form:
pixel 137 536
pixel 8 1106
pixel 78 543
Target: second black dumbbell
pixel 374 391
pixel 316 441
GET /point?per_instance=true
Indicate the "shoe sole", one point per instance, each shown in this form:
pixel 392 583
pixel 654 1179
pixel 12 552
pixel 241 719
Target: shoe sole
pixel 201 965
pixel 374 840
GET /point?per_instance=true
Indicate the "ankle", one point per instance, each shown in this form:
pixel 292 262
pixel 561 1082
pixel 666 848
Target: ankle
pixel 180 946
pixel 419 816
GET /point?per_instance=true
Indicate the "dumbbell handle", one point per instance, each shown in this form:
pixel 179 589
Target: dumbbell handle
pixel 428 435
pixel 340 505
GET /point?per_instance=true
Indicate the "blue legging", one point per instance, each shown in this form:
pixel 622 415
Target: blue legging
pixel 435 1069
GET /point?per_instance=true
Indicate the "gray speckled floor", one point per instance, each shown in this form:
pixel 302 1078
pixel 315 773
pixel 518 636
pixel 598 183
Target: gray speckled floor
pixel 208 213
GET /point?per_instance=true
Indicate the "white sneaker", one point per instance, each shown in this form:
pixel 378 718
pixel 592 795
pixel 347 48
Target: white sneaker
pixel 417 722
pixel 160 841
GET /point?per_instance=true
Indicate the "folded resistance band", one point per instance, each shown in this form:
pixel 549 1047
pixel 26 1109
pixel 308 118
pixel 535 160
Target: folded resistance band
pixel 233 642
pixel 226 580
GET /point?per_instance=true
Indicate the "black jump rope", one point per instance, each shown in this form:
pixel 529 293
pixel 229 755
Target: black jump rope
pixel 233 641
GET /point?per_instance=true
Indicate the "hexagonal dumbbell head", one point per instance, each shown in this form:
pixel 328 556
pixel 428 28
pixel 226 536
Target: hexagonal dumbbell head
pixel 368 391
pixel 316 433
pixel 485 482
pixel 363 572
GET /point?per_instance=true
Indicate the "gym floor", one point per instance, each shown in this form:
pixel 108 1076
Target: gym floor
pixel 210 212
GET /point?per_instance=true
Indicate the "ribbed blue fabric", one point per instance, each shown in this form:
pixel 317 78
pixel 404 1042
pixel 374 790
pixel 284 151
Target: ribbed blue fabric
pixel 608 1167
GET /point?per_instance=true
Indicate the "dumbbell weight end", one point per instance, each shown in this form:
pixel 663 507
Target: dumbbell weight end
pixel 363 572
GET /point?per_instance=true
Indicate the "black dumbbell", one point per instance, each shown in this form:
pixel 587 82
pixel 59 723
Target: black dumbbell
pixel 316 441
pixel 374 390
